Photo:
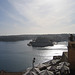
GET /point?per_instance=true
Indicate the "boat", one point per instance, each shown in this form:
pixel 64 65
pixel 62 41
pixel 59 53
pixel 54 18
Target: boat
pixel 40 42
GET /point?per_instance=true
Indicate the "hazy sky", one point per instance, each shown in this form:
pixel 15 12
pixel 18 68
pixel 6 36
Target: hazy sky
pixel 37 16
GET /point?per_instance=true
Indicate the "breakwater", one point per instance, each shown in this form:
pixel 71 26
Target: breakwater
pixel 56 66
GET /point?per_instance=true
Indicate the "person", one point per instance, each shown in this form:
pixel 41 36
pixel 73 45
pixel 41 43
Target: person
pixel 33 63
pixel 71 38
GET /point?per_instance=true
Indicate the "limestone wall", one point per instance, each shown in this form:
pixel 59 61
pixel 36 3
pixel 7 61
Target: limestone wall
pixel 71 55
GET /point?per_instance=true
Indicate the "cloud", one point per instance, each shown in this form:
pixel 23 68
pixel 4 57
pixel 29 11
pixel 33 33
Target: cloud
pixel 13 16
pixel 45 15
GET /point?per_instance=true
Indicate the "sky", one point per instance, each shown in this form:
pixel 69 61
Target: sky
pixel 37 17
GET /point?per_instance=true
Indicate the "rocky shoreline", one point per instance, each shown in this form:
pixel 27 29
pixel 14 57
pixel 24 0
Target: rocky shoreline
pixel 56 66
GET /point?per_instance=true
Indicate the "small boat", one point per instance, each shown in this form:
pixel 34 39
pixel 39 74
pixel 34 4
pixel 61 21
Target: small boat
pixel 40 42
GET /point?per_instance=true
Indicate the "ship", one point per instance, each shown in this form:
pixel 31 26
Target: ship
pixel 40 42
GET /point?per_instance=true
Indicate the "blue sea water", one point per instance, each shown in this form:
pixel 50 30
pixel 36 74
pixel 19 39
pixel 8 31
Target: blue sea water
pixel 17 56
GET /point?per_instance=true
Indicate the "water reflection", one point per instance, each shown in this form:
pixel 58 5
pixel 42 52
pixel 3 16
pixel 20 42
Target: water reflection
pixel 47 53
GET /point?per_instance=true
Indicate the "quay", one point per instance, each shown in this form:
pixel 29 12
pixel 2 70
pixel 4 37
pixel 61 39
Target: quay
pixel 59 65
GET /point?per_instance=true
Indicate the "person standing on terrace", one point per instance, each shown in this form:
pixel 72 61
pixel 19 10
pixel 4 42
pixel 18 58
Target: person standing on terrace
pixel 71 38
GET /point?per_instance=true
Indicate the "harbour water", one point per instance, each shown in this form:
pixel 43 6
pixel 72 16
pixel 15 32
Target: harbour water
pixel 17 56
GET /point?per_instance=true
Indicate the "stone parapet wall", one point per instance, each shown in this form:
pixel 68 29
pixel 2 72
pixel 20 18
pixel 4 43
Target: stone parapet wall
pixel 11 73
pixel 71 55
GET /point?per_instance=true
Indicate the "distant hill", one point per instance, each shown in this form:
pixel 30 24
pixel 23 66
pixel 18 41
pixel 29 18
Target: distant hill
pixel 53 37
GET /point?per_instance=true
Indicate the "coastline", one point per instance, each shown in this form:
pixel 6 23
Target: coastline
pixel 49 65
